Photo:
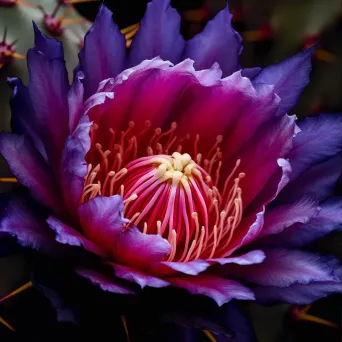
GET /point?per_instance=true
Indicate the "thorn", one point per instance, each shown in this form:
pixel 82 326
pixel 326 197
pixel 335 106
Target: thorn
pixel 74 21
pixel 2 321
pixel 7 179
pixel 81 1
pixel 130 28
pixel 302 315
pixel 56 10
pixel 210 336
pixel 325 56
pixel 4 35
pixel 131 33
pixel 17 291
pixel 264 33
pixel 13 43
pixel 26 4
pixel 128 43
pixel 66 12
pixel 18 55
pixel 124 323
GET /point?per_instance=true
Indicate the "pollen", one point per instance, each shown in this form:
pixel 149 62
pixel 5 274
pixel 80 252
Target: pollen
pixel 176 196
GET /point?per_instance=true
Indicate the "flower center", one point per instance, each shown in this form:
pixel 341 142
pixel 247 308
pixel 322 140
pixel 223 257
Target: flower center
pixel 170 195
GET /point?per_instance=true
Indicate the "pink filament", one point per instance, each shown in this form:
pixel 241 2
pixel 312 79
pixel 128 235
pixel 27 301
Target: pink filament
pixel 170 195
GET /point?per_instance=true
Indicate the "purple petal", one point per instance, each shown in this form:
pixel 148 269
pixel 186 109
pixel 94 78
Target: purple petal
pixel 328 220
pixel 206 77
pixel 138 277
pixel 154 63
pixel 158 35
pixel 74 166
pixel 297 293
pixel 28 227
pixel 289 77
pixel 102 221
pixel 105 282
pixel 48 88
pixel 280 217
pixel 104 51
pixel 139 250
pixel 167 268
pixel 320 139
pixel 209 77
pixel 30 168
pixel 250 72
pixel 219 289
pixel 209 47
pixel 63 312
pixel 198 266
pixel 75 101
pixel 319 179
pixel 51 48
pixel 250 258
pixel 22 114
pixel 69 236
pixel 286 267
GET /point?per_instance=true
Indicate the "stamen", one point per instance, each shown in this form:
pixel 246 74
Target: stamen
pixel 183 200
pixel 214 244
pixel 173 243
pixel 193 244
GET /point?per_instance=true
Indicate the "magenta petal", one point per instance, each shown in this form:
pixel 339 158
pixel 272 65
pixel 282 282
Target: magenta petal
pixel 48 88
pixel 249 229
pixel 289 77
pixel 31 170
pixel 138 277
pixel 139 250
pixel 74 166
pixel 273 140
pixel 156 96
pixel 209 47
pixel 226 101
pixel 75 102
pixel 106 283
pixel 320 139
pixel 104 51
pixel 263 108
pixel 102 221
pixel 297 293
pixel 219 289
pixel 159 34
pixel 286 267
pixel 69 236
pixel 280 217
